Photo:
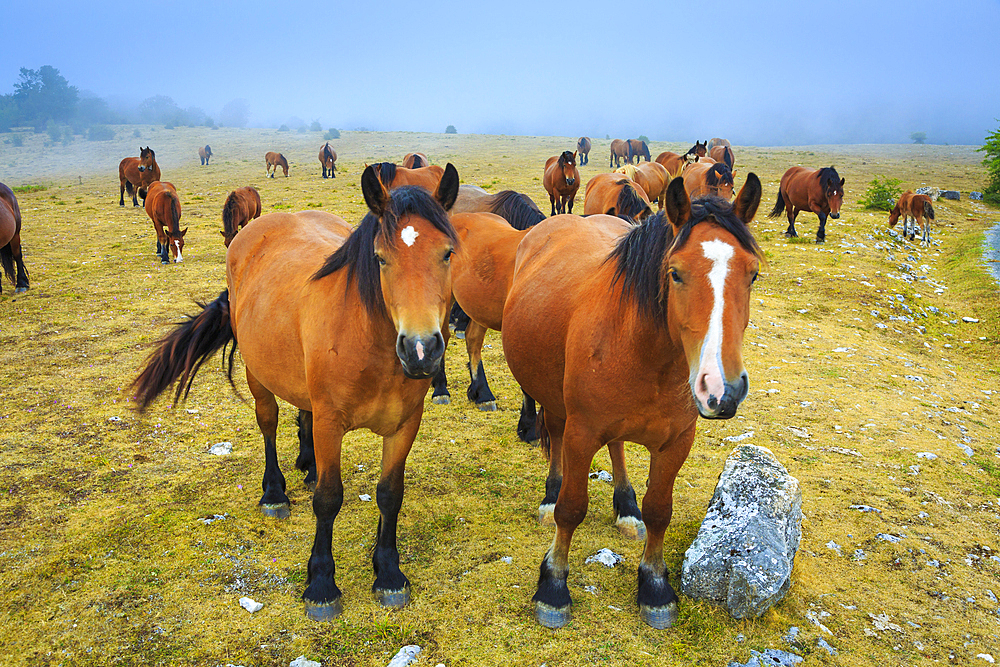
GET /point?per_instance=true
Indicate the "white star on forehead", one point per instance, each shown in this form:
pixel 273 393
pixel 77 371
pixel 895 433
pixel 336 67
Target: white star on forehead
pixel 409 235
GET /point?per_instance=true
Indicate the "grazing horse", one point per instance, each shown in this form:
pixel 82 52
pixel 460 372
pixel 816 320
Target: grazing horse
pixel 242 205
pixel 629 333
pixel 11 257
pixel 415 160
pixel 274 160
pixel 707 179
pixel 699 150
pixel 637 148
pixel 205 153
pixel 348 327
pixel 673 162
pixel 920 210
pixel 615 194
pixel 481 272
pixel 619 152
pixel 716 141
pixel 583 146
pixel 723 154
pixel 561 181
pixel 803 189
pixel 393 176
pixel 164 208
pixel 136 173
pixel 328 160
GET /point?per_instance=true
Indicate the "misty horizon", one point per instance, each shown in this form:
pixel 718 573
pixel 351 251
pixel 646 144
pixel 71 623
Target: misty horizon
pixel 763 75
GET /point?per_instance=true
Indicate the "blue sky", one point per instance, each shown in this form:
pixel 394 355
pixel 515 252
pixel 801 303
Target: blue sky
pixel 758 73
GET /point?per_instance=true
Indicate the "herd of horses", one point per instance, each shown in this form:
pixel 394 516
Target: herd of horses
pixel 621 324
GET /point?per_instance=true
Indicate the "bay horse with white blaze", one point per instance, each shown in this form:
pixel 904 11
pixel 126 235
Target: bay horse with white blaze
pixel 803 189
pixel 915 208
pixel 561 180
pixel 347 326
pixel 205 154
pixel 583 146
pixel 242 205
pixel 136 173
pixel 272 161
pixel 163 207
pixel 328 160
pixel 11 256
pixel 629 333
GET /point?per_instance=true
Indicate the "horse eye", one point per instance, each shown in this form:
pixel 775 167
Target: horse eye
pixel 754 279
pixel 381 260
pixel 447 255
pixel 675 276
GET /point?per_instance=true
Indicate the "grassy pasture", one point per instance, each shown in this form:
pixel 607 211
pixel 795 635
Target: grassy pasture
pixel 103 559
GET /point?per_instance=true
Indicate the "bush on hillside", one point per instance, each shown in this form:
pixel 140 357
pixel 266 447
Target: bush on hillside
pixel 991 148
pixel 450 130
pixel 882 193
pixel 332 133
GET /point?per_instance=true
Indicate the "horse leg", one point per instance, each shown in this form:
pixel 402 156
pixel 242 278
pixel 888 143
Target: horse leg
pixel 570 207
pixel 552 441
pixel 306 460
pixel 322 597
pixel 391 586
pixel 121 195
pixel 274 502
pixel 459 320
pixel 628 518
pixel 22 273
pixel 441 395
pixel 791 213
pixel 657 600
pixel 527 425
pixel 552 200
pixel 821 232
pixel 479 388
pixel 552 599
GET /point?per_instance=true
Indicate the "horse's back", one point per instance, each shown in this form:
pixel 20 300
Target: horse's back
pixel 797 182
pixel 471 199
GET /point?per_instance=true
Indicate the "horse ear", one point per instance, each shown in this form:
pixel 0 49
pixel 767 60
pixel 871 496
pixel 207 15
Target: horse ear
pixel 376 194
pixel 184 231
pixel 842 181
pixel 678 205
pixel 748 199
pixel 447 191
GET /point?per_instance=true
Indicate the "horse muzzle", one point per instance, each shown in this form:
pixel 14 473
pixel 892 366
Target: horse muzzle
pixel 835 216
pixel 421 356
pixel 712 406
pixel 141 168
pixel 570 181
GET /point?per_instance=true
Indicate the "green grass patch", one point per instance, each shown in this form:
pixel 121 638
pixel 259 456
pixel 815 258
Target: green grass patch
pixel 25 189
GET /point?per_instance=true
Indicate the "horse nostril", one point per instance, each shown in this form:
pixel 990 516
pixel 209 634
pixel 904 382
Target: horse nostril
pixel 713 402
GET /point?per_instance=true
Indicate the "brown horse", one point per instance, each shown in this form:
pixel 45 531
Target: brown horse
pixel 348 327
pixel 619 152
pixel 274 160
pixel 11 256
pixel 615 194
pixel 164 208
pixel 653 178
pixel 328 160
pixel 583 146
pixel 205 153
pixel 705 179
pixel 920 210
pixel 699 150
pixel 673 162
pixel 136 173
pixel 716 141
pixel 637 148
pixel 242 205
pixel 561 181
pixel 723 154
pixel 629 333
pixel 393 176
pixel 415 160
pixel 803 189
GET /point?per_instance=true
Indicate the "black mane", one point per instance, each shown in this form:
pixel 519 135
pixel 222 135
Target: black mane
pixel 826 175
pixel 386 172
pixel 357 254
pixel 517 209
pixel 630 204
pixel 639 255
pixel 566 158
pixel 719 174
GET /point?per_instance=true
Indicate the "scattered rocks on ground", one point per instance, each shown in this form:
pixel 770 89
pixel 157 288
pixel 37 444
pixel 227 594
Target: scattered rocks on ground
pixel 771 657
pixel 406 655
pixel 251 605
pixel 823 645
pixel 743 555
pixel 605 557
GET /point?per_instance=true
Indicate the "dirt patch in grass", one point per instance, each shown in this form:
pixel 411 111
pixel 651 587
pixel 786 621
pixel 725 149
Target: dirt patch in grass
pixel 859 360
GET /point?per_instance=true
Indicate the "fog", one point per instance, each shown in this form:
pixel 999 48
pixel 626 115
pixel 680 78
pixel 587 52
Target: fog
pixel 764 73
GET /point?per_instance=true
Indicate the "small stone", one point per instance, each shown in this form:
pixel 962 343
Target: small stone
pixel 970 320
pixel 221 448
pixel 114 419
pixel 886 537
pixel 978 196
pixel 987 657
pixel 737 438
pixel 406 655
pixel 965 448
pixel 866 508
pixel 930 456
pixel 602 475
pixel 823 645
pixel 859 555
pixel 302 662
pixel 590 589
pixel 833 545
pixel 365 498
pixel 605 557
pixel 791 635
pixel 251 605
pixel 507 559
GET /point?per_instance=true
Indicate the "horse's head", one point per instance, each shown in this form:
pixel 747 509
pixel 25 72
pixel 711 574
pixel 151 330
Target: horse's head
pixel 567 163
pixel 719 180
pixel 284 164
pixel 147 158
pixel 706 275
pixel 833 189
pixel 208 150
pixel 413 246
pixel 176 242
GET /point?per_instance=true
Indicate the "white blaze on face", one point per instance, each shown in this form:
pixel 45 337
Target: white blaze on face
pixel 709 379
pixel 180 258
pixel 409 235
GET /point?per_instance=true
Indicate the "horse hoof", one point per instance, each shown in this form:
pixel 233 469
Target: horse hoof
pixel 552 617
pixel 631 528
pixel 460 334
pixel 488 406
pixel 394 599
pixel 163 261
pixel 547 515
pixel 443 399
pixel 659 618
pixel 820 241
pixel 310 485
pixel 20 290
pixel 325 611
pixel 276 510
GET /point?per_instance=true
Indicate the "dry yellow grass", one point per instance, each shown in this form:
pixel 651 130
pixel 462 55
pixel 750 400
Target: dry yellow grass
pixel 103 559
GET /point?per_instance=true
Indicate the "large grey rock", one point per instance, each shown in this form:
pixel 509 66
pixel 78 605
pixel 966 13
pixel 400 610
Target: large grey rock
pixel 743 555
pixel 951 194
pixel 978 196
pixel 931 192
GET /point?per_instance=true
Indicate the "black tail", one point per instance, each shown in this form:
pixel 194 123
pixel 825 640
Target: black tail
pixel 543 433
pixel 928 211
pixel 175 215
pixel 517 209
pixel 128 187
pixel 778 207
pixel 7 262
pixel 419 162
pixel 727 157
pixel 179 355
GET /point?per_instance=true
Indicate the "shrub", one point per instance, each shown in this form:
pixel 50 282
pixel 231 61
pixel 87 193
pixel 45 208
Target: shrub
pixel 16 140
pixel 100 133
pixel 450 130
pixel 643 137
pixel 283 128
pixel 918 137
pixel 991 147
pixel 21 189
pixel 332 133
pixel 209 123
pixel 882 193
pixel 315 127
